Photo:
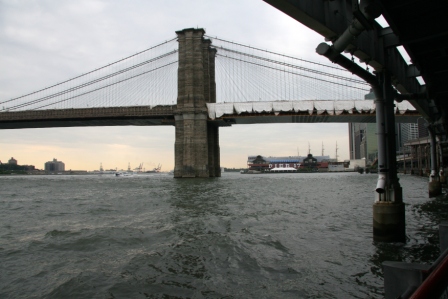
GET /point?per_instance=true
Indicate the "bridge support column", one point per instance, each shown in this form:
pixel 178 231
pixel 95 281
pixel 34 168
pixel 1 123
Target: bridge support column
pixel 213 151
pixel 190 149
pixel 196 147
pixel 388 209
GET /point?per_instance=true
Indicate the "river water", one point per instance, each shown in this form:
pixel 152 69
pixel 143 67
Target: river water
pixel 239 236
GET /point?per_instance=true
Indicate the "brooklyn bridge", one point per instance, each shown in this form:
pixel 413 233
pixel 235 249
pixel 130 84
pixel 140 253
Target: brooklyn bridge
pixel 218 83
pixel 199 83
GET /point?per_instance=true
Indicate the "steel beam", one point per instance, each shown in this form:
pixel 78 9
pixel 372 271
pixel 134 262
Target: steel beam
pixel 331 18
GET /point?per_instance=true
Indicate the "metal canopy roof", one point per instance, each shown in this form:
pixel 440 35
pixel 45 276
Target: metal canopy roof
pixel 419 26
pixel 422 29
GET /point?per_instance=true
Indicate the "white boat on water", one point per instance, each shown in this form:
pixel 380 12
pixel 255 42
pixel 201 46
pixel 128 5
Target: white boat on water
pixel 124 174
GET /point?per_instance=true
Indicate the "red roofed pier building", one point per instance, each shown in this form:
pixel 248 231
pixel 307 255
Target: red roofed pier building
pixel 288 164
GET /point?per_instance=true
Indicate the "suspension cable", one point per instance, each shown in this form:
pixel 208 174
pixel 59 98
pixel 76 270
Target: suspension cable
pixel 77 77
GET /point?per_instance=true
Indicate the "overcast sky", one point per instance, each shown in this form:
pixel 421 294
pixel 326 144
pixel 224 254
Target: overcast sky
pixel 48 41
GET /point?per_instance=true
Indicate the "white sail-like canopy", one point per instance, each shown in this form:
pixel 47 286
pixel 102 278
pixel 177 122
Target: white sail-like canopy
pixel 319 107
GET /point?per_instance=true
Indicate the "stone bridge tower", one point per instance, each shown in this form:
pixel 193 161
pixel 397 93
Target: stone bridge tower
pixel 196 147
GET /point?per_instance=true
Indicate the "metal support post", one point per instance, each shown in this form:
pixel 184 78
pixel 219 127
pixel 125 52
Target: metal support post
pixel 442 177
pixel 420 159
pixel 434 186
pixel 404 160
pixel 380 127
pixel 388 209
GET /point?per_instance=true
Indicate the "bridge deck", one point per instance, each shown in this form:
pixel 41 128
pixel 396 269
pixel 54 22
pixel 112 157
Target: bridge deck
pixel 102 116
pixel 222 114
pixel 329 111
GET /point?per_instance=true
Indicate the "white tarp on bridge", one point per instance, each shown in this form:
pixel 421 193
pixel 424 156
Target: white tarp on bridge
pixel 331 107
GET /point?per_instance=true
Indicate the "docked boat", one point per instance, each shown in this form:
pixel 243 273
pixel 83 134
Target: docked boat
pixel 155 170
pixel 123 174
pixel 250 171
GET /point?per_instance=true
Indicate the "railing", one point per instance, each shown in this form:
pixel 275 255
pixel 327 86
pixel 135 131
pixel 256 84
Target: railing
pixel 435 285
pixel 417 281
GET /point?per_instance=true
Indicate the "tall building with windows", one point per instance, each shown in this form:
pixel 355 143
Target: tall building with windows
pixel 54 165
pixel 363 138
pixel 364 141
pixel 405 133
pixel 410 132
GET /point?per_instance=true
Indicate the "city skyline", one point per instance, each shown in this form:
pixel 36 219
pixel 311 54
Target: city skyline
pixel 47 42
pixel 321 153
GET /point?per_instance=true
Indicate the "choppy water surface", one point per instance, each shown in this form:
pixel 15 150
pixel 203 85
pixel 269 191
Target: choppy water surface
pixel 238 236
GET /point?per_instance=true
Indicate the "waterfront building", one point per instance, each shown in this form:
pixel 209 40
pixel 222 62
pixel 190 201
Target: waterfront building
pixel 309 161
pixel 54 165
pixel 12 166
pixel 265 164
pixel 258 163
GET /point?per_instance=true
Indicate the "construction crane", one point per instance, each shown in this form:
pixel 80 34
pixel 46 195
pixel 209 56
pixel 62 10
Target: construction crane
pixel 139 168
